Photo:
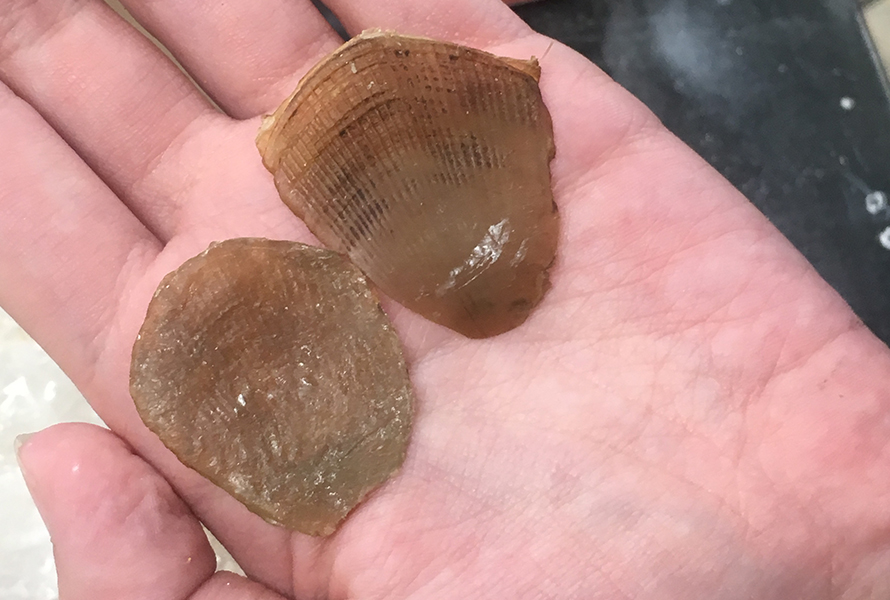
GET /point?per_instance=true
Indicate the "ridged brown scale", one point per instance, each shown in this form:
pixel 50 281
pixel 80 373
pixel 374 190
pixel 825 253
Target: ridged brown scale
pixel 270 369
pixel 427 163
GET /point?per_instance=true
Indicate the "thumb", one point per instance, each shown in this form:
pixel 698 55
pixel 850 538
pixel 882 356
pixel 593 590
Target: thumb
pixel 118 529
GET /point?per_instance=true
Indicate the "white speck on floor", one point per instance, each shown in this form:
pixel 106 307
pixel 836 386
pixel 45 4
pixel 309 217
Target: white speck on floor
pixel 875 202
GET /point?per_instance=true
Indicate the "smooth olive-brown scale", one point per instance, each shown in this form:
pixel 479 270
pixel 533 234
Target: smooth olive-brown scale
pixel 428 164
pixel 269 368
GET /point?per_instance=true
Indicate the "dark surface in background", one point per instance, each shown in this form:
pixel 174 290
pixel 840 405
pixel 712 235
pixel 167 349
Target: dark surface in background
pixel 756 87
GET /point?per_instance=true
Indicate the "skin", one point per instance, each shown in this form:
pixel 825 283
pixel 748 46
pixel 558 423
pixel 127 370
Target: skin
pixel 691 413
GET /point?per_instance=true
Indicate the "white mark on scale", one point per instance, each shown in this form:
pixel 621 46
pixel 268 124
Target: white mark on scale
pixel 239 482
pixel 486 252
pixel 848 103
pixel 520 254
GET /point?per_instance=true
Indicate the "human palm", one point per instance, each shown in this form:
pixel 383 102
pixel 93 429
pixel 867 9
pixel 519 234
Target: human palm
pixel 691 412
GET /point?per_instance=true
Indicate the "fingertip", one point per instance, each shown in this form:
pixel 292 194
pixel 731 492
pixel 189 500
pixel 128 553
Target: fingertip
pixel 118 529
pixel 74 462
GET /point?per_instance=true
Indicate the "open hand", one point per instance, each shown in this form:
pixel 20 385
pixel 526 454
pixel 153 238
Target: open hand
pixel 691 412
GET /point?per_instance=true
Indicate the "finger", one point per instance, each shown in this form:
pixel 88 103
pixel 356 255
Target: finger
pixel 76 268
pixel 118 529
pixel 247 55
pixel 479 23
pixel 124 107
pixel 67 244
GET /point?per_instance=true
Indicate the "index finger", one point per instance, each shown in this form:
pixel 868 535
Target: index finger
pixel 67 244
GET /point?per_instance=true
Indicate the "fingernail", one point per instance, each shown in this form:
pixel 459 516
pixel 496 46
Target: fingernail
pixel 20 440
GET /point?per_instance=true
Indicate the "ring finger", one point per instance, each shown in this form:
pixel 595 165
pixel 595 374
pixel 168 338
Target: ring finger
pixel 107 91
pixel 248 56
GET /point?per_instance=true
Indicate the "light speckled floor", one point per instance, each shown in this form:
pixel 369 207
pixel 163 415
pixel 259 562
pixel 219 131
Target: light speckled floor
pixel 34 393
